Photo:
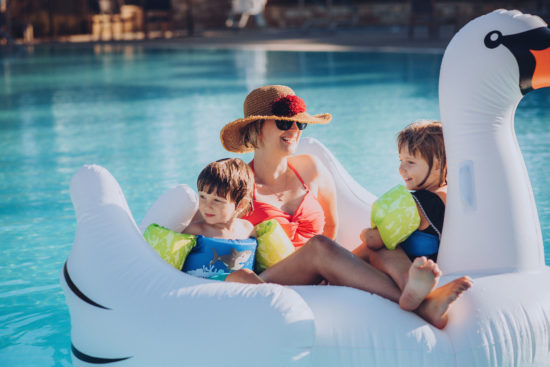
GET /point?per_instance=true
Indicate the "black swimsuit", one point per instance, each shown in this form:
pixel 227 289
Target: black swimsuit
pixel 426 242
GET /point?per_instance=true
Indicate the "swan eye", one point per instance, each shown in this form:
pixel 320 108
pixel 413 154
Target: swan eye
pixel 493 39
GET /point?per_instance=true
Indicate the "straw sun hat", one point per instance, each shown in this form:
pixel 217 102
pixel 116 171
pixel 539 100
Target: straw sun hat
pixel 272 102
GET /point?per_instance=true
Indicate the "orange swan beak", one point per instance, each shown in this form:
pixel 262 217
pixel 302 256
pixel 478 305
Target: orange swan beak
pixel 541 75
pixel 531 50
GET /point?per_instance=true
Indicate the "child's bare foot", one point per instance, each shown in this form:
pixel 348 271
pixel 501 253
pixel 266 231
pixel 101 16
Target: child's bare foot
pixel 423 277
pixel 435 307
pixel 244 276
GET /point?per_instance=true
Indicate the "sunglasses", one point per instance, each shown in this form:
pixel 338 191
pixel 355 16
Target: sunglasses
pixel 286 124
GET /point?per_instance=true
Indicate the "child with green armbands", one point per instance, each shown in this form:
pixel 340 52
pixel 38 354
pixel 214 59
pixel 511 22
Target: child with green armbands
pixel 225 194
pixel 218 244
pixel 224 240
pixel 406 227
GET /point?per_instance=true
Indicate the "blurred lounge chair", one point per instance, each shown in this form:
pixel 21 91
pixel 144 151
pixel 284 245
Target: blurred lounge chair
pixel 244 9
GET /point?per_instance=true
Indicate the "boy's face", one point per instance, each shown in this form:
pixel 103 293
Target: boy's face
pixel 414 169
pixel 216 209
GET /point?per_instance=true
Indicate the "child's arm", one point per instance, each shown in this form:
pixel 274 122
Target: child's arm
pixel 246 230
pixel 194 228
pixel 371 240
pixel 251 229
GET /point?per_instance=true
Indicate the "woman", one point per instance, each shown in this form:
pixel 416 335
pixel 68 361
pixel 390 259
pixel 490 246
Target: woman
pixel 298 192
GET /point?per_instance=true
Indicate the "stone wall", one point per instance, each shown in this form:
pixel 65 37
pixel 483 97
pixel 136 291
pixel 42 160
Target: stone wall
pixel 211 14
pixel 387 13
pixel 199 15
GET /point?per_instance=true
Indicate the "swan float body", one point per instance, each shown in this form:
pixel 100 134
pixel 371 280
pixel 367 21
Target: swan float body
pixel 130 308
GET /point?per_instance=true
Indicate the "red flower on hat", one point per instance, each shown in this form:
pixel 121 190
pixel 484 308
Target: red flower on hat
pixel 288 106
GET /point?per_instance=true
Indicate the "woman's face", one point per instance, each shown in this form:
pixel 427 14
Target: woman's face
pixel 274 139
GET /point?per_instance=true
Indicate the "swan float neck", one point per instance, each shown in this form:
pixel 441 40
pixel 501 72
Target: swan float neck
pixel 491 221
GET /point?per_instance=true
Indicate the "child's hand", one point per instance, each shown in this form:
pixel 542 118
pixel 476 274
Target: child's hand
pixel 371 238
pixel 244 276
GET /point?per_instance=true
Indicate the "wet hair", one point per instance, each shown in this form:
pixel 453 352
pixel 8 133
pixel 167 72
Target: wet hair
pixel 229 178
pixel 425 138
pixel 250 134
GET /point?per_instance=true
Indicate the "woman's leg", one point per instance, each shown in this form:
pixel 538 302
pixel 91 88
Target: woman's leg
pixel 321 258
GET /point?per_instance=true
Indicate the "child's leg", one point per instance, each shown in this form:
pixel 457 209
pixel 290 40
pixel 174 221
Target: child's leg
pixel 244 276
pixel 363 252
pixel 435 307
pixel 423 276
pixel 416 279
pixel 395 263
pixel 322 258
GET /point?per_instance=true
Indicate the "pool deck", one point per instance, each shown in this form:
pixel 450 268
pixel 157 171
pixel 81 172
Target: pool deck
pixel 388 39
pixel 353 39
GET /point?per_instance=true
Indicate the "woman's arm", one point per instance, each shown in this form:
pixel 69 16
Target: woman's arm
pixel 327 198
pixel 321 183
pixel 326 194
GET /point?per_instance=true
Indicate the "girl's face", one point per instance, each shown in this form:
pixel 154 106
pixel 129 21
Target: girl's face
pixel 414 169
pixel 274 139
pixel 216 209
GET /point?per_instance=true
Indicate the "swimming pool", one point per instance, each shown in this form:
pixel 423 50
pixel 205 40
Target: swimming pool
pixel 152 117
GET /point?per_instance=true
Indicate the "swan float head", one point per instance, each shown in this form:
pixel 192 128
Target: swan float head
pixel 491 221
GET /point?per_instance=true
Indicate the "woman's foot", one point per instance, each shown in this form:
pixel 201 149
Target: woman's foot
pixel 423 277
pixel 435 307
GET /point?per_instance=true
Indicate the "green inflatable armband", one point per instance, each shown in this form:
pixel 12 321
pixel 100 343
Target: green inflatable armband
pixel 273 244
pixel 395 215
pixel 172 246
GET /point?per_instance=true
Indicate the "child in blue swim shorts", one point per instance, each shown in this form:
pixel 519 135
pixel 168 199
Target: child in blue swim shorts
pixel 225 243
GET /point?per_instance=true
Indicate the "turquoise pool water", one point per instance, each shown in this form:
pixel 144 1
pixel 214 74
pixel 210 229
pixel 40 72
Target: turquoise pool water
pixel 152 117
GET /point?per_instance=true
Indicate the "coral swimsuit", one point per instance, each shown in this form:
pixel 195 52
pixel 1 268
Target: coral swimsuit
pixel 307 221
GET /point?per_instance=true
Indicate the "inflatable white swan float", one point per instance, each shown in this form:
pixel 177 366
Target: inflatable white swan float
pixel 130 308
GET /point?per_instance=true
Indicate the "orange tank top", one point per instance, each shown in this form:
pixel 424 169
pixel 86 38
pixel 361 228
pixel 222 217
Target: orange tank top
pixel 307 221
